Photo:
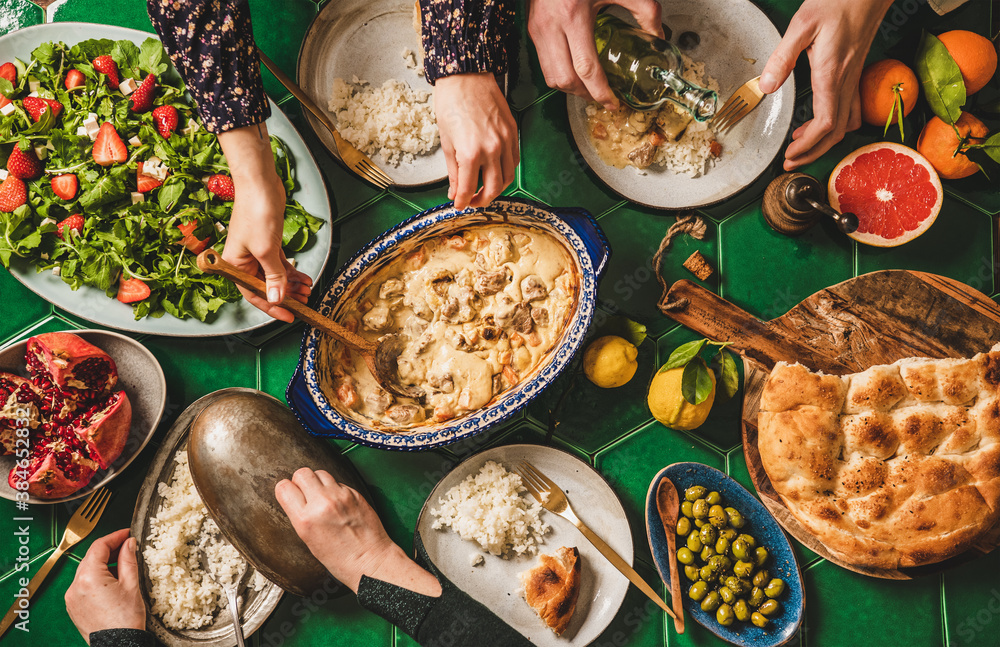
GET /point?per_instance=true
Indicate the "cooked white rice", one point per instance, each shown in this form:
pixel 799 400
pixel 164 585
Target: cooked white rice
pixel 393 122
pixel 182 594
pixel 488 508
pixel 691 154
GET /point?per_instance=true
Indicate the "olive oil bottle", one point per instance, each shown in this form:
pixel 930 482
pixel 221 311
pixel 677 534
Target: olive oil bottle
pixel 645 71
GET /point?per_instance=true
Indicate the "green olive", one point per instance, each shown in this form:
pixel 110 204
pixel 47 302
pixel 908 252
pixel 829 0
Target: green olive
pixel 713 497
pixel 722 546
pixel 743 569
pixel 683 526
pixel 695 492
pixel 735 518
pixel 707 553
pixel 711 601
pixel 770 607
pixel 685 555
pixel 758 620
pixel 701 508
pixel 687 509
pixel 694 543
pixel 708 573
pixel 761 577
pixel 740 549
pixel 717 516
pixel 724 615
pixel 741 610
pixel 739 586
pixel 699 523
pixel 698 591
pixel 709 534
pixel 761 555
pixel 692 573
pixel 750 541
pixel 720 563
pixel 728 533
pixel 774 588
pixel 756 597
pixel 727 595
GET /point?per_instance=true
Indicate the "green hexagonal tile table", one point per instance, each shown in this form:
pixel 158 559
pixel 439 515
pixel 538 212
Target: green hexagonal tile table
pixel 757 269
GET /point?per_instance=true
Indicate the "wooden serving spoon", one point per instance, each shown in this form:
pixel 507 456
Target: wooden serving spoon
pixel 668 504
pixel 380 358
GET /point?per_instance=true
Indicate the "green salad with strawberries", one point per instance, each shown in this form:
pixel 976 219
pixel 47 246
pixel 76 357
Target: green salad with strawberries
pixel 111 180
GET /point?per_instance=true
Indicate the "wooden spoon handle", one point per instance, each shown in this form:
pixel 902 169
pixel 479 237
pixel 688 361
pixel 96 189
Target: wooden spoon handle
pixel 211 262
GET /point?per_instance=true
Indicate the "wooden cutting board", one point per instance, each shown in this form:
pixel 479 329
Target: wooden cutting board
pixel 876 318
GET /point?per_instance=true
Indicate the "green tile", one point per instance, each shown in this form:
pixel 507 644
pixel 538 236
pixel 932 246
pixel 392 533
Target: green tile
pixel 15 14
pixel 278 359
pixel 527 82
pixel 436 194
pixel 32 528
pixel 48 623
pixel 638 621
pixel 30 307
pixel 959 245
pixel 279 34
pixel 972 607
pixel 845 608
pixel 552 169
pixel 123 13
pixel 329 616
pixel 362 227
pixel 629 286
pixel 767 273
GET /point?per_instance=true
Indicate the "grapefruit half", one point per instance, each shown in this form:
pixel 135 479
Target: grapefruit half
pixel 894 191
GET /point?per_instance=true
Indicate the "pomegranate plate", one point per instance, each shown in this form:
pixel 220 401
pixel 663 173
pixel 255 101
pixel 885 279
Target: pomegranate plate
pixel 89 401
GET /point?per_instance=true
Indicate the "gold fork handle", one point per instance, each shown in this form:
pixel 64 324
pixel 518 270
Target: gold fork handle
pixel 623 566
pixel 33 585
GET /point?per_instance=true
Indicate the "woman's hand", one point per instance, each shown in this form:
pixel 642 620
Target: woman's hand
pixel 97 600
pixel 253 243
pixel 343 532
pixel 478 134
pixel 836 34
pixel 563 34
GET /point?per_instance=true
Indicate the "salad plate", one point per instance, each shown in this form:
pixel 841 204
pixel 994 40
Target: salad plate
pixel 92 304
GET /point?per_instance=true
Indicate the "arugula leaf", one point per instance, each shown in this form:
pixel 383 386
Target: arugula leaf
pixel 126 55
pixel 45 54
pixel 170 193
pixel 941 79
pixel 92 48
pixel 6 87
pixel 103 191
pixel 151 57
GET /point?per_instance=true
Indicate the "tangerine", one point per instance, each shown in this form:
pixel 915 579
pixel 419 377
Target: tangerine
pixel 880 83
pixel 939 143
pixel 975 55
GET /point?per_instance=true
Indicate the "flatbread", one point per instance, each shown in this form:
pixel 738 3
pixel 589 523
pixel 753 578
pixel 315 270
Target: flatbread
pixel 896 466
pixel 553 587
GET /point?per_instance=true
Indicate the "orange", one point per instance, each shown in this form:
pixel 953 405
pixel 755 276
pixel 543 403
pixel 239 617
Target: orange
pixel 877 94
pixel 976 57
pixel 938 143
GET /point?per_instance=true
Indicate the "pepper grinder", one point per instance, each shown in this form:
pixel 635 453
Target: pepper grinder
pixel 794 202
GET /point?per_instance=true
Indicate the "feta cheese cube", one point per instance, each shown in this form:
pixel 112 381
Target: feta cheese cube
pixel 44 256
pixel 33 94
pixel 127 86
pixel 135 141
pixel 48 145
pixel 191 127
pixel 91 122
pixel 221 228
pixel 138 197
pixel 7 110
pixel 47 221
pixel 92 131
pixel 92 115
pixel 41 152
pixel 82 131
pixel 3 174
pixel 34 85
pixel 55 270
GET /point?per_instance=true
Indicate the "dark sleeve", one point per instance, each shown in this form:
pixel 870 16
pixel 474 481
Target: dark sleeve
pixel 462 36
pixel 122 638
pixel 454 618
pixel 211 43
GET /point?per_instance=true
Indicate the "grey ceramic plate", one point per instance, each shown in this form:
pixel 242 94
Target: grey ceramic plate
pixel 366 39
pixel 495 582
pixel 92 304
pixel 736 39
pixel 256 605
pixel 139 374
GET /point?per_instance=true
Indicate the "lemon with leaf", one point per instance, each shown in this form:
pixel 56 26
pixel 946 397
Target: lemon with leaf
pixel 683 391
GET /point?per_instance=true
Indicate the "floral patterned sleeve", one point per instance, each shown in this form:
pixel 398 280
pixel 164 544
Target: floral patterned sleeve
pixel 211 44
pixel 461 36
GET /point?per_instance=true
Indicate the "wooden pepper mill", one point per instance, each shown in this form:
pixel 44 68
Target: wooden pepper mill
pixel 794 202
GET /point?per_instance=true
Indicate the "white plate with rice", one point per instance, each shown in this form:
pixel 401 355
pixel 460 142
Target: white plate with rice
pixel 483 508
pixel 360 61
pixel 735 39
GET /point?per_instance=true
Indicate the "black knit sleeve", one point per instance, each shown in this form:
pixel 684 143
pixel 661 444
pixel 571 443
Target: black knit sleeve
pixel 122 638
pixel 211 43
pixel 461 36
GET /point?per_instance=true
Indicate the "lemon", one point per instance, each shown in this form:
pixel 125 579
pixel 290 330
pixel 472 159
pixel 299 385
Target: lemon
pixel 610 361
pixel 668 405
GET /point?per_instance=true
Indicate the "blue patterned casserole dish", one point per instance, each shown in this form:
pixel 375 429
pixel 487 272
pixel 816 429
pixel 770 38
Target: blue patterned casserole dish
pixel 575 228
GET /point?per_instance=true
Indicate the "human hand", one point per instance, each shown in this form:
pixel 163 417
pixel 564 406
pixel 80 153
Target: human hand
pixel 563 34
pixel 478 134
pixel 97 600
pixel 253 243
pixel 836 34
pixel 343 532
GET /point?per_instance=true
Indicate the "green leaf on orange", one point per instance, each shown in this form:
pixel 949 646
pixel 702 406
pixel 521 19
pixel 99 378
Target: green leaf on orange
pixel 940 78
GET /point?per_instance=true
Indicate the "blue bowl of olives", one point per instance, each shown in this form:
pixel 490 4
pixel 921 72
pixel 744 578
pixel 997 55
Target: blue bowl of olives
pixel 739 577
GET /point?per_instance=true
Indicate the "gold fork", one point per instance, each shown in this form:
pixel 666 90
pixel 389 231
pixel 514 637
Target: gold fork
pixel 743 101
pixel 351 156
pixel 80 525
pixel 554 500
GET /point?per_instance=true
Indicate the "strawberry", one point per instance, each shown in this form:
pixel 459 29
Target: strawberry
pixel 73 223
pixel 132 290
pixel 36 107
pixel 142 98
pixel 13 193
pixel 165 118
pixel 65 186
pixel 25 166
pixel 9 72
pixel 106 65
pixel 109 147
pixel 74 79
pixel 194 245
pixel 222 186
pixel 145 183
pixel 187 228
